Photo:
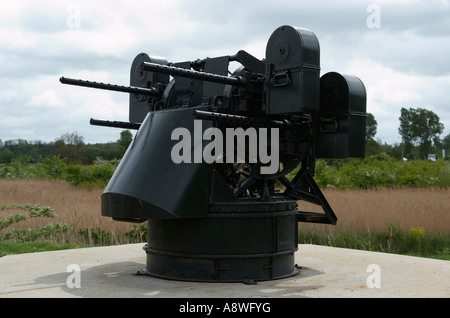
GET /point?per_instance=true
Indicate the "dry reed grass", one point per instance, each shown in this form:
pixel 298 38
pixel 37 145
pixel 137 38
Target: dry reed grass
pixel 74 206
pixel 357 210
pixel 374 210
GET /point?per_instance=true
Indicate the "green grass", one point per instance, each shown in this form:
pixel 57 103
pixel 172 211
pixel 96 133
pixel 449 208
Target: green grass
pixel 8 248
pixel 392 240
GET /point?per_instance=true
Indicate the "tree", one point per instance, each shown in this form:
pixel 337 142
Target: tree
pixel 71 148
pixel 405 130
pixel 373 148
pixel 446 144
pixel 419 126
pixel 371 127
pixel 6 155
pixel 426 128
pixel 125 140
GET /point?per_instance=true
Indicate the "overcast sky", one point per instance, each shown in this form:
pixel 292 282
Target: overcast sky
pixel 399 49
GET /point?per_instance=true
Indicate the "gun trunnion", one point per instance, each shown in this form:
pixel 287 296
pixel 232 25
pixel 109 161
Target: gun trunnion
pixel 227 221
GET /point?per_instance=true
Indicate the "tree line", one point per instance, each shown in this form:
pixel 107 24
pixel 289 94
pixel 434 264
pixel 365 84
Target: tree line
pixel 70 147
pixel 419 128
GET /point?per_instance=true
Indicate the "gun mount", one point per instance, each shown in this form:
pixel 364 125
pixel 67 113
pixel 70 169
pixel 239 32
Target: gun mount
pixel 215 214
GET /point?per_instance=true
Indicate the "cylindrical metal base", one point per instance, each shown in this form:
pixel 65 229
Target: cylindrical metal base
pixel 224 247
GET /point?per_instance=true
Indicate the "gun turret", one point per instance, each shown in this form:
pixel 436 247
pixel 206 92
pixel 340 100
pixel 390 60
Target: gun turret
pixel 222 162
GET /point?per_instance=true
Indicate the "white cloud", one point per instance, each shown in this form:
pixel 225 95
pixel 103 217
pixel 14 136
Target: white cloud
pixel 403 64
pixel 385 85
pixel 16 39
pixel 46 99
pixel 389 90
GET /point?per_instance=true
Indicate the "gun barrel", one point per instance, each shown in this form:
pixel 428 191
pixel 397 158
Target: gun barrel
pixel 112 87
pixel 242 120
pixel 115 124
pixel 203 76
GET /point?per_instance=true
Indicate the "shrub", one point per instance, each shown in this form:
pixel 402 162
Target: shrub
pixel 30 234
pixel 381 171
pixel 372 172
pixel 96 236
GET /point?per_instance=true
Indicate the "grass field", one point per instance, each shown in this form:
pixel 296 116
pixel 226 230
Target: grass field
pixel 77 207
pixel 403 221
pixel 374 210
pixel 392 212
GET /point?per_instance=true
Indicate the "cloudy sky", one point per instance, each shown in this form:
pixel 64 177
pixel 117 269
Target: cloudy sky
pixel 400 49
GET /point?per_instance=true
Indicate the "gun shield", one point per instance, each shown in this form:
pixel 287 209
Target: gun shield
pixel 148 184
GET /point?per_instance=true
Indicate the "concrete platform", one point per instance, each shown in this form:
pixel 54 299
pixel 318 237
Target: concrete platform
pixel 326 272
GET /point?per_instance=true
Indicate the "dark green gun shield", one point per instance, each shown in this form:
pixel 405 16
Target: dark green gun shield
pixel 148 184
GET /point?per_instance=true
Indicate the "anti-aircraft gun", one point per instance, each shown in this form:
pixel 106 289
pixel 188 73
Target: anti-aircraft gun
pixel 230 213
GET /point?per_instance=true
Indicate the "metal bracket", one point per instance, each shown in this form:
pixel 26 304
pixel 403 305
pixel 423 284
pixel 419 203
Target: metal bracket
pixel 304 187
